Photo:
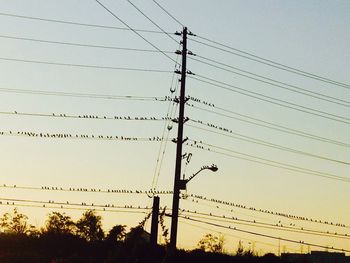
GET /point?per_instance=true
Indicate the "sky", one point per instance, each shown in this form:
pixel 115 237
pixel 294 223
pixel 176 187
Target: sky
pixel 312 36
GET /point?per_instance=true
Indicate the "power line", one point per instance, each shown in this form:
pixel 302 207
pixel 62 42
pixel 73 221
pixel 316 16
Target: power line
pixel 265 235
pixel 85 95
pixel 161 7
pixel 271 63
pixel 87 190
pixel 269 125
pixel 167 126
pixel 242 137
pixel 265 211
pixel 230 210
pixel 70 136
pixel 228 234
pixel 248 157
pixel 123 191
pixel 154 23
pixel 83 44
pixel 272 82
pixel 166 129
pixel 81 190
pixel 84 65
pixel 137 33
pixel 78 23
pixel 271 100
pixel 84 116
pixel 254 223
pixel 138 192
pixel 67 204
pixel 72 208
pixel 140 30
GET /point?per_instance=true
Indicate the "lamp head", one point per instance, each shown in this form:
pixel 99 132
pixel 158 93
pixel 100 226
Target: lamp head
pixel 213 168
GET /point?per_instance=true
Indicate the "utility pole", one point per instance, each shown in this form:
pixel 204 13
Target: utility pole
pixel 154 225
pixel 179 141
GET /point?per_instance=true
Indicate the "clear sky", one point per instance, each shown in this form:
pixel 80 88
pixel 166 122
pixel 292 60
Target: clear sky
pixel 312 36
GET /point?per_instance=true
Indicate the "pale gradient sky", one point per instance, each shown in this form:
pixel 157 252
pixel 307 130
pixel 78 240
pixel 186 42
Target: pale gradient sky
pixel 310 35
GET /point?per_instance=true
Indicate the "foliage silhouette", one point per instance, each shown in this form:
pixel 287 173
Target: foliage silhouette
pixel 15 223
pixel 116 234
pixel 65 241
pixel 60 224
pixel 89 226
pixel 211 243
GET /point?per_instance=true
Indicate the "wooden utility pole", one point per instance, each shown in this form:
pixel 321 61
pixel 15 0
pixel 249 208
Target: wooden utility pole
pixel 179 141
pixel 154 225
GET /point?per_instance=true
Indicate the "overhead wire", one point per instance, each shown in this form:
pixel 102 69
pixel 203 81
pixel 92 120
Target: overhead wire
pixel 154 23
pixel 85 95
pixel 44 62
pixel 267 62
pixel 265 235
pixel 273 82
pixel 248 157
pixel 168 13
pixel 122 191
pixel 81 190
pixel 269 125
pixel 83 116
pixel 258 224
pixel 136 32
pixel 228 234
pixel 271 100
pixel 216 206
pixel 83 44
pixel 72 208
pixel 78 23
pixel 114 15
pixel 269 212
pixel 85 189
pixel 262 220
pixel 166 129
pixel 166 125
pixel 67 204
pixel 72 136
pixel 169 127
pixel 242 137
pixel 159 159
pixel 276 64
pixel 153 31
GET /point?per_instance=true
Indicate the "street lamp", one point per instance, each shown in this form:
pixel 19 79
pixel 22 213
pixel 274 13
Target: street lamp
pixel 183 182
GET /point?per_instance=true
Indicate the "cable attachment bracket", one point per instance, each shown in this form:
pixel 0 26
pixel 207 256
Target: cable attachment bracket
pixel 190 53
pixel 174 140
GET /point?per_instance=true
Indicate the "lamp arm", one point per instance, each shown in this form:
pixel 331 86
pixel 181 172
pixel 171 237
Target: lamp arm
pixel 193 175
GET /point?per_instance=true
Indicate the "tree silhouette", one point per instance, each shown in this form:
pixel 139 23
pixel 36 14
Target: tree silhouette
pixel 89 226
pixel 116 234
pixel 211 243
pixel 58 223
pixel 62 240
pixel 15 223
